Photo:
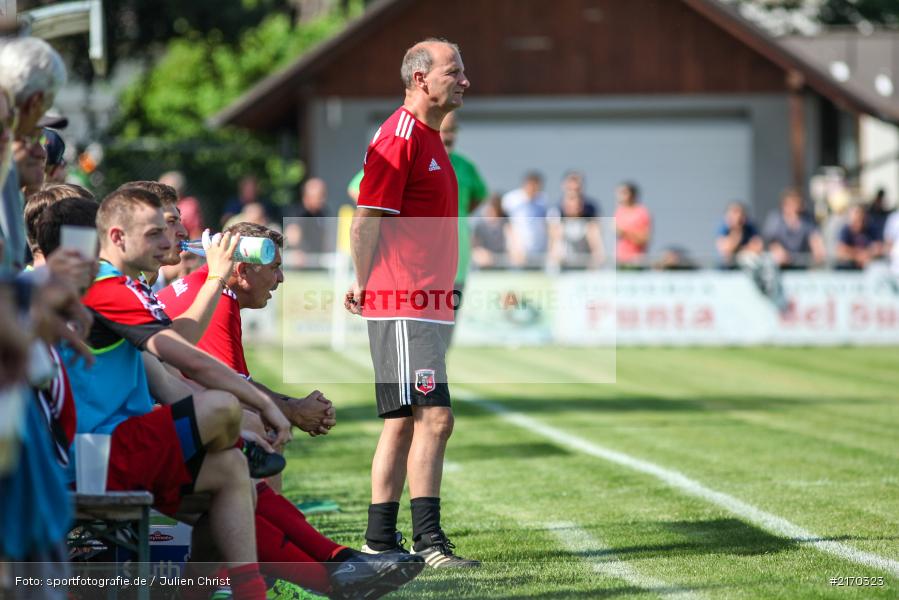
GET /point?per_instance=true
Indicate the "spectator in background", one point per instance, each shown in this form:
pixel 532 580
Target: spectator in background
pixel 526 209
pixel 55 148
pixel 472 191
pixel 247 193
pixel 633 224
pixel 838 204
pixel 674 258
pixel 793 238
pixel 352 188
pixel 256 213
pixel 858 244
pixel 891 241
pixel 32 72
pixel 488 240
pixel 737 235
pixel 878 213
pixel 575 239
pixel 188 206
pixel 573 185
pixel 307 229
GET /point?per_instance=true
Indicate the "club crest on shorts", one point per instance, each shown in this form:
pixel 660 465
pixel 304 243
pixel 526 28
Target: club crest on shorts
pixel 425 381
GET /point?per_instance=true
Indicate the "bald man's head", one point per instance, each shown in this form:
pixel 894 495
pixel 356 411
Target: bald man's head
pixel 420 58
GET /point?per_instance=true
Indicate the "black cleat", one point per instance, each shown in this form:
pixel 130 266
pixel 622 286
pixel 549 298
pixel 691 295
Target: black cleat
pixel 262 464
pixel 366 576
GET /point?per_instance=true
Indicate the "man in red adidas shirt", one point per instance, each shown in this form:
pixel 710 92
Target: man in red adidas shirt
pixel 405 248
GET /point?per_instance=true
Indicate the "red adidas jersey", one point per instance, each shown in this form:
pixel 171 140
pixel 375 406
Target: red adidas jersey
pixel 223 337
pixel 408 175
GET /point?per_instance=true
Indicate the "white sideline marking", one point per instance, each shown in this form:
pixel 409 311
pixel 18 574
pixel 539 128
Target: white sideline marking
pixel 765 520
pixel 577 540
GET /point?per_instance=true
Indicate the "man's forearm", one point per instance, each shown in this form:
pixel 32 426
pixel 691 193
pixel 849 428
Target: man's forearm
pixel 366 231
pixel 276 397
pixel 193 322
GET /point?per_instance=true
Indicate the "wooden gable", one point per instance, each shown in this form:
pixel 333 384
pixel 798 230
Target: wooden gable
pixel 559 47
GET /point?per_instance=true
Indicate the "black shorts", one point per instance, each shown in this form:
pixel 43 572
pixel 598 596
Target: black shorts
pixel 410 365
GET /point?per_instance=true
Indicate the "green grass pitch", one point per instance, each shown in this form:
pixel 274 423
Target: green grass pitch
pixel 808 435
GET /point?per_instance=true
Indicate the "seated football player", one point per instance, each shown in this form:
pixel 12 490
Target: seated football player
pixel 169 390
pixel 313 414
pixel 187 445
pixel 284 535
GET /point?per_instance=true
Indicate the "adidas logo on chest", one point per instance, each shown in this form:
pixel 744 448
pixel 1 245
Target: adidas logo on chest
pixel 433 166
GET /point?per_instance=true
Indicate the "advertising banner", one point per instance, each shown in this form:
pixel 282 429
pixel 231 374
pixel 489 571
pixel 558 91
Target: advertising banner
pixel 605 308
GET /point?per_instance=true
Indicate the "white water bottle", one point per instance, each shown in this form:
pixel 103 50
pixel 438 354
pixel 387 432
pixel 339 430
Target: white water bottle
pixel 255 250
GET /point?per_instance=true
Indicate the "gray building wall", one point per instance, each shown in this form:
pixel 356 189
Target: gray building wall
pixel 701 152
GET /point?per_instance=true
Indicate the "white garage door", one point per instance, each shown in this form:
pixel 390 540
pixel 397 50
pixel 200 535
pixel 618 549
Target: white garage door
pixel 687 168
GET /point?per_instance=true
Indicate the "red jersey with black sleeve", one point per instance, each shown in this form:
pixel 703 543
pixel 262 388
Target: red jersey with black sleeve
pixel 223 338
pixel 408 176
pixel 126 315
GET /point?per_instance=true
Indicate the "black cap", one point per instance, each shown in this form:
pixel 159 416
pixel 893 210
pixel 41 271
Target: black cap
pixel 55 147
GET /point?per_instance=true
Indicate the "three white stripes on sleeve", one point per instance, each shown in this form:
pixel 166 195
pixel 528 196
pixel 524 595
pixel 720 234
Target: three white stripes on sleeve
pixel 404 126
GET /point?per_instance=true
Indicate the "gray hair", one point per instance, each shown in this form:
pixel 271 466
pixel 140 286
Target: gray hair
pixel 418 59
pixel 30 65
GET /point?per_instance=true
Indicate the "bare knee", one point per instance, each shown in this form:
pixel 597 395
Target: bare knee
pixel 221 412
pixel 435 421
pixel 231 412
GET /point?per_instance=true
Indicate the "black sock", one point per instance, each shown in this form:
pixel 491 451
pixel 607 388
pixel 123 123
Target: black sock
pixel 425 518
pixel 381 532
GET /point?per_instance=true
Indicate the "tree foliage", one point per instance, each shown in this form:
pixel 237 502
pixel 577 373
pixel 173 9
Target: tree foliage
pixel 200 74
pixel 140 29
pixel 162 121
pixel 853 12
pixel 884 13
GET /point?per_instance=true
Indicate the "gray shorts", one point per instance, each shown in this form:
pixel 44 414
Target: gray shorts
pixel 410 365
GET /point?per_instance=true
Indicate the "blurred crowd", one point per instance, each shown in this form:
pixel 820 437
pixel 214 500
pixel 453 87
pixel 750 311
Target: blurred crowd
pixel 528 227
